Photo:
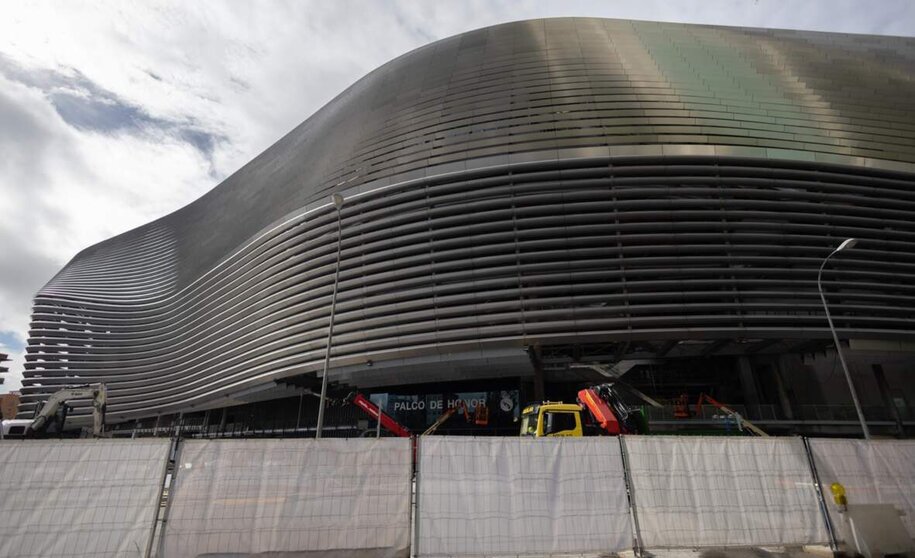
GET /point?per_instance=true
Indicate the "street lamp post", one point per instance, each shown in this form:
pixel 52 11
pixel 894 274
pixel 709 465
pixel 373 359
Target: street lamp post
pixel 849 243
pixel 338 202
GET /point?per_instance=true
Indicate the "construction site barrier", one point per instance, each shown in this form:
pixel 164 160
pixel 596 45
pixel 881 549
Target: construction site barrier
pixel 74 498
pixel 723 491
pixel 872 472
pixel 520 496
pixel 474 496
pixel 329 497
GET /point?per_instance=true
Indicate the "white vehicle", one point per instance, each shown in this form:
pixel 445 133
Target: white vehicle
pixel 14 428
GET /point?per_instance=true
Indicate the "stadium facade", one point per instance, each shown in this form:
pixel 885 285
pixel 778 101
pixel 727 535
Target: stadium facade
pixel 520 201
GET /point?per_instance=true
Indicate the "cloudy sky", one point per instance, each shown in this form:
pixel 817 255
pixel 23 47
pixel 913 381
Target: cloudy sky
pixel 113 113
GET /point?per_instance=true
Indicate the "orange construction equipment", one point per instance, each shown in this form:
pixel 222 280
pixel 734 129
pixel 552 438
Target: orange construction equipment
pixel 681 407
pixel 481 415
pixel 600 410
pixel 460 406
pixel 741 422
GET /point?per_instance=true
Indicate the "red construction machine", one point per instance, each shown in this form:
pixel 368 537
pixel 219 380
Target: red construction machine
pixel 480 415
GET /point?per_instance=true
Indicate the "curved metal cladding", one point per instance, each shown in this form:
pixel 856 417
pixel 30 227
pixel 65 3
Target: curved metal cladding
pixel 551 181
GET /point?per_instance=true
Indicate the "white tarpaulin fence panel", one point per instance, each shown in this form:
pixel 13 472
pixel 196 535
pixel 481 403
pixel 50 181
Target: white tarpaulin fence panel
pixel 79 497
pixel 704 491
pixel 511 496
pixel 873 472
pixel 346 497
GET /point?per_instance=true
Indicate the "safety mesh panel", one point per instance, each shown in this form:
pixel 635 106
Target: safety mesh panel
pixel 511 496
pixel 697 491
pixel 873 472
pixel 79 497
pixel 305 497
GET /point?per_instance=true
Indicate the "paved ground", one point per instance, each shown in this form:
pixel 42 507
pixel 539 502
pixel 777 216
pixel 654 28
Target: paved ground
pixel 790 552
pixel 755 552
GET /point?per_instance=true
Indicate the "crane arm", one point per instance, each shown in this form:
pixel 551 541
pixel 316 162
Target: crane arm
pixel 610 411
pixel 376 413
pixel 440 421
pixel 460 406
pixel 703 398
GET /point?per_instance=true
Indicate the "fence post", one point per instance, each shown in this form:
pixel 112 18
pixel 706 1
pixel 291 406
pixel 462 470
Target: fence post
pixel 414 546
pixel 171 457
pixel 630 493
pixel 833 544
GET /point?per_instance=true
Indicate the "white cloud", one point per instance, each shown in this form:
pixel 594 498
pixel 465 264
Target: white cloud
pixel 64 189
pixel 113 114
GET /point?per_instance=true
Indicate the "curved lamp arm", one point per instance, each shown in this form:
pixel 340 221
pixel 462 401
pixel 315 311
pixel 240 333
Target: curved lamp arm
pixel 849 243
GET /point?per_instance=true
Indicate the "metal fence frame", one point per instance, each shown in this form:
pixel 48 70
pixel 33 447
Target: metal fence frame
pixel 154 548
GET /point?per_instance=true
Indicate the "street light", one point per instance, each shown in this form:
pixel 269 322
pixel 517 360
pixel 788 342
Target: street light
pixel 849 243
pixel 338 202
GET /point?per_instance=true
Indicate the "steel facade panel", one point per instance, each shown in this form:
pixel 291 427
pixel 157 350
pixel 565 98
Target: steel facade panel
pixel 497 172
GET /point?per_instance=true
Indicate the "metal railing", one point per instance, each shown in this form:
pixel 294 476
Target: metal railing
pixel 802 414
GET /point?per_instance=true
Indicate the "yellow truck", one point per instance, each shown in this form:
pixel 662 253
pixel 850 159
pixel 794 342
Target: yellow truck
pixel 608 414
pixel 551 419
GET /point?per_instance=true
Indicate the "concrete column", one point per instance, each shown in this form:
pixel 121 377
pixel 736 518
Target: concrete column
pixel 535 356
pixel 784 401
pixel 747 381
pixel 888 398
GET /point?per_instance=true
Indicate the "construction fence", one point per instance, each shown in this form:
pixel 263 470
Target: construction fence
pixel 437 496
pixel 80 497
